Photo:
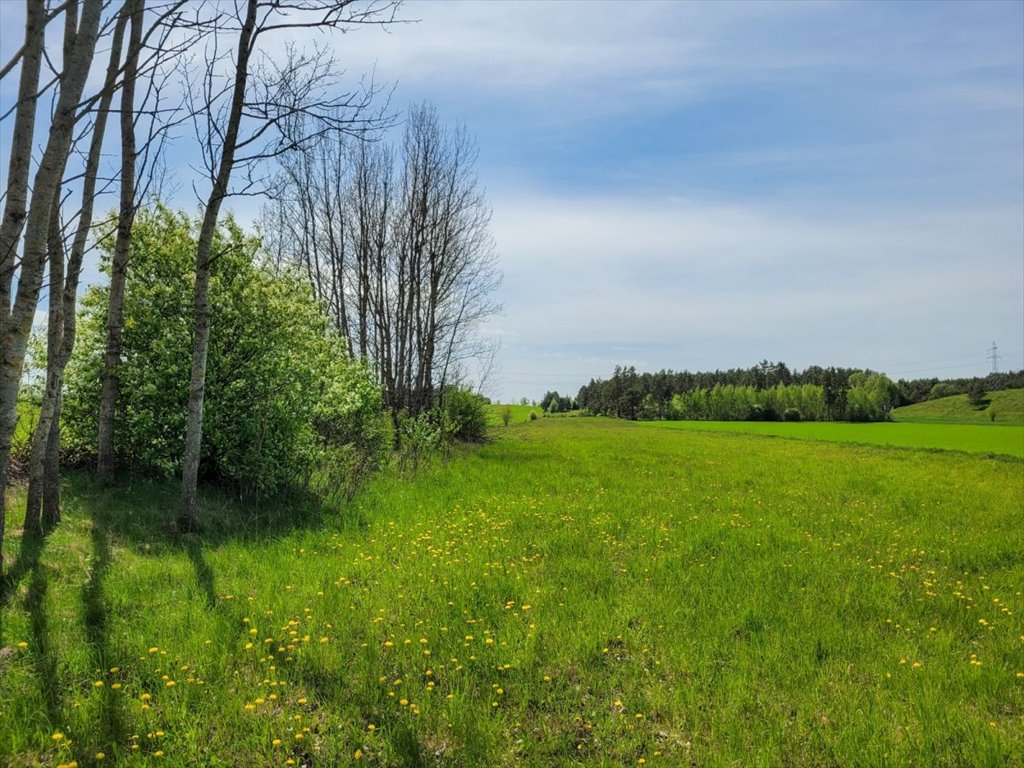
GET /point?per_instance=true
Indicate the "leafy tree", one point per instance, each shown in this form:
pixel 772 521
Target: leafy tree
pixel 976 394
pixel 280 390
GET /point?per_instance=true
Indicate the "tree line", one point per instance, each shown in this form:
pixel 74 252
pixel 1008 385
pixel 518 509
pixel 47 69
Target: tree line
pixel 204 356
pixel 769 391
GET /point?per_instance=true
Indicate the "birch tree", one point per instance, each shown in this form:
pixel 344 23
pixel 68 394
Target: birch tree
pixel 81 30
pixel 254 111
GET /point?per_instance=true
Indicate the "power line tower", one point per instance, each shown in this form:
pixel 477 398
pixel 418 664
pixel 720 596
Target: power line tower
pixel 995 357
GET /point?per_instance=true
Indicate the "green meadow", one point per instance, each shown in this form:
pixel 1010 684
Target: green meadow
pixel 518 414
pixel 573 592
pixel 997 408
pixel 970 438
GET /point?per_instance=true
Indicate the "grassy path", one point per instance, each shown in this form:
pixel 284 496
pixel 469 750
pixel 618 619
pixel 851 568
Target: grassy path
pixel 579 592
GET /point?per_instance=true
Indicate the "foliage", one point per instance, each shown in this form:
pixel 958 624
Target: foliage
pixel 506 416
pixel 871 397
pixel 942 389
pixel 552 402
pixel 976 394
pixel 279 388
pixel 462 415
pixel 418 437
pixel 663 395
pixel 818 394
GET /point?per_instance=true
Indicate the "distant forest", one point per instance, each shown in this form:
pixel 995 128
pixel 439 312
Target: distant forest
pixel 766 392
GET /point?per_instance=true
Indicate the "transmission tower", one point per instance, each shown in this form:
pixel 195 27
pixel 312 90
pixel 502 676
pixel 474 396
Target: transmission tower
pixel 995 357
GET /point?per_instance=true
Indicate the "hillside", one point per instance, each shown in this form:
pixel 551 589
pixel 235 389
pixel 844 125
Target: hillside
pixel 1008 407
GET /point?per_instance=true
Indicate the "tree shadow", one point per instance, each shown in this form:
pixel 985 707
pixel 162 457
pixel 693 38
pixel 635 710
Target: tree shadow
pixel 204 573
pixel 29 552
pixel 42 647
pixel 143 514
pixel 95 620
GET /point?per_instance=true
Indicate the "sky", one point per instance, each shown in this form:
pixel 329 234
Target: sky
pixel 706 185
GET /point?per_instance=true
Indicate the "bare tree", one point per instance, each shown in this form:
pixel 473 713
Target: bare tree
pixel 256 111
pixel 119 261
pixel 403 256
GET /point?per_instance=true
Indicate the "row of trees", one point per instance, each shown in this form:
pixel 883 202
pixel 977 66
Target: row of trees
pixel 169 63
pixel 819 394
pixel 552 402
pixel 919 390
pixel 395 241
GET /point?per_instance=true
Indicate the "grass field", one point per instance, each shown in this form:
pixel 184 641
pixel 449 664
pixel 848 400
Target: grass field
pixel 520 413
pixel 970 438
pixel 577 592
pixel 1008 407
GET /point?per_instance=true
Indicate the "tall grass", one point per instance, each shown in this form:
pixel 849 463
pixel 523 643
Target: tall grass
pixel 577 592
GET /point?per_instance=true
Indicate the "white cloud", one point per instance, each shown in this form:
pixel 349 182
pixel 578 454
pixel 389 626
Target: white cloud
pixel 680 283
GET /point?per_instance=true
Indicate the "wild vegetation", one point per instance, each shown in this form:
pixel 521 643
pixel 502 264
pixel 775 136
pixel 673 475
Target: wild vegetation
pixel 577 592
pixel 1005 407
pixel 258 516
pixel 769 392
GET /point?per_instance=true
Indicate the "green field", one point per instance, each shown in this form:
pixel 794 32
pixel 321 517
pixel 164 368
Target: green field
pixel 520 414
pixel 970 438
pixel 1007 406
pixel 576 592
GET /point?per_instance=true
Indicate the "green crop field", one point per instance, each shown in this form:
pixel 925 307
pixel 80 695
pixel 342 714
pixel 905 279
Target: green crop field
pixel 970 438
pixel 1007 407
pixel 576 592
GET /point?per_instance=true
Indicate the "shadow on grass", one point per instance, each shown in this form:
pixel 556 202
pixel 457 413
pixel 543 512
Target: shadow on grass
pixel 29 552
pixel 95 620
pixel 143 514
pixel 204 573
pixel 45 653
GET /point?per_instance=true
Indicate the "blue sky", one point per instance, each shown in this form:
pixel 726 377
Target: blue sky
pixel 703 185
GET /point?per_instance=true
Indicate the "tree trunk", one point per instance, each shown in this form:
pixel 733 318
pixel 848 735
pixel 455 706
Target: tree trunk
pixel 106 464
pixel 201 341
pixel 51 471
pixel 10 229
pixel 80 45
pixel 54 341
pixel 63 292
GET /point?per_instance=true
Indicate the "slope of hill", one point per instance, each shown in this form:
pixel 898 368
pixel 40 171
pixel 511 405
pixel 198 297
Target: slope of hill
pixel 1007 407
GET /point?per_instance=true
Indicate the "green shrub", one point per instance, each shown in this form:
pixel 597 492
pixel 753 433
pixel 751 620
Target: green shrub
pixel 792 414
pixel 418 437
pixel 462 415
pixel 533 415
pixel 280 390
